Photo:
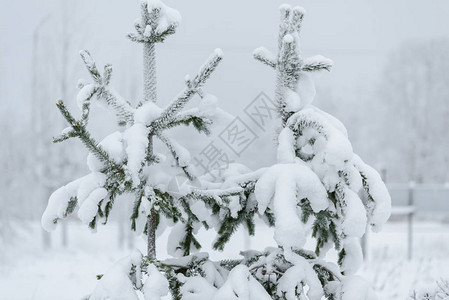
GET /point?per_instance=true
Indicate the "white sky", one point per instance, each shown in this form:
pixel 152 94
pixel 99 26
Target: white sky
pixel 356 34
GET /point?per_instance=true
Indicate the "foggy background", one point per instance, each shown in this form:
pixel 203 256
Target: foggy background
pixel 389 85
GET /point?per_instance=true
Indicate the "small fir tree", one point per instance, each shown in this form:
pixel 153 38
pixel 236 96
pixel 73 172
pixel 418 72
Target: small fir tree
pixel 318 189
pixel 125 161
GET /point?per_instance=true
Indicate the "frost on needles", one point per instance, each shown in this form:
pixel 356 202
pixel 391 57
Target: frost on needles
pixel 317 189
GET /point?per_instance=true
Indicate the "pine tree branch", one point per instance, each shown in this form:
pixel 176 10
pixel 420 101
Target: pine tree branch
pixel 79 130
pixel 123 109
pixel 300 121
pixel 200 123
pixel 169 206
pixel 284 24
pixel 263 55
pixel 86 107
pixel 107 74
pixel 71 205
pixel 317 63
pixel 91 67
pixel 152 39
pixel 147 26
pixel 138 27
pixel 174 151
pixel 218 201
pixel 229 226
pixel 207 69
pixel 297 18
pixel 190 90
pixel 137 38
pixel 289 62
pixel 215 196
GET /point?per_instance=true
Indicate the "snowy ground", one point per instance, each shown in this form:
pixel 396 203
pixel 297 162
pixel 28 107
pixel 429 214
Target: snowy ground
pixel 29 272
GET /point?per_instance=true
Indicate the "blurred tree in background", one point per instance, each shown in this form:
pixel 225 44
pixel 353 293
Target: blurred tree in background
pixel 414 97
pixel 53 69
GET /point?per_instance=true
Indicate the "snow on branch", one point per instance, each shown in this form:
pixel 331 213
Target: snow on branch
pixel 197 277
pixel 379 200
pixel 78 129
pixel 122 108
pixel 179 153
pixel 284 24
pixel 87 193
pixel 190 90
pixel 317 63
pixel 62 202
pixel 294 88
pixel 136 138
pixel 289 61
pixel 264 55
pixel 207 69
pixel 157 22
pixel 193 117
pixel 282 187
pixel 91 67
pixel 216 196
pixel 120 279
pixel 298 17
pixel 309 126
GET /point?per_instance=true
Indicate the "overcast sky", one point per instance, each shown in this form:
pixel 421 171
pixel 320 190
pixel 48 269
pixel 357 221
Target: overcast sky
pixel 356 34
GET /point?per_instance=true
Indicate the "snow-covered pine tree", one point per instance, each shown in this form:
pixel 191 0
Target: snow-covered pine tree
pixel 126 161
pixel 318 190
